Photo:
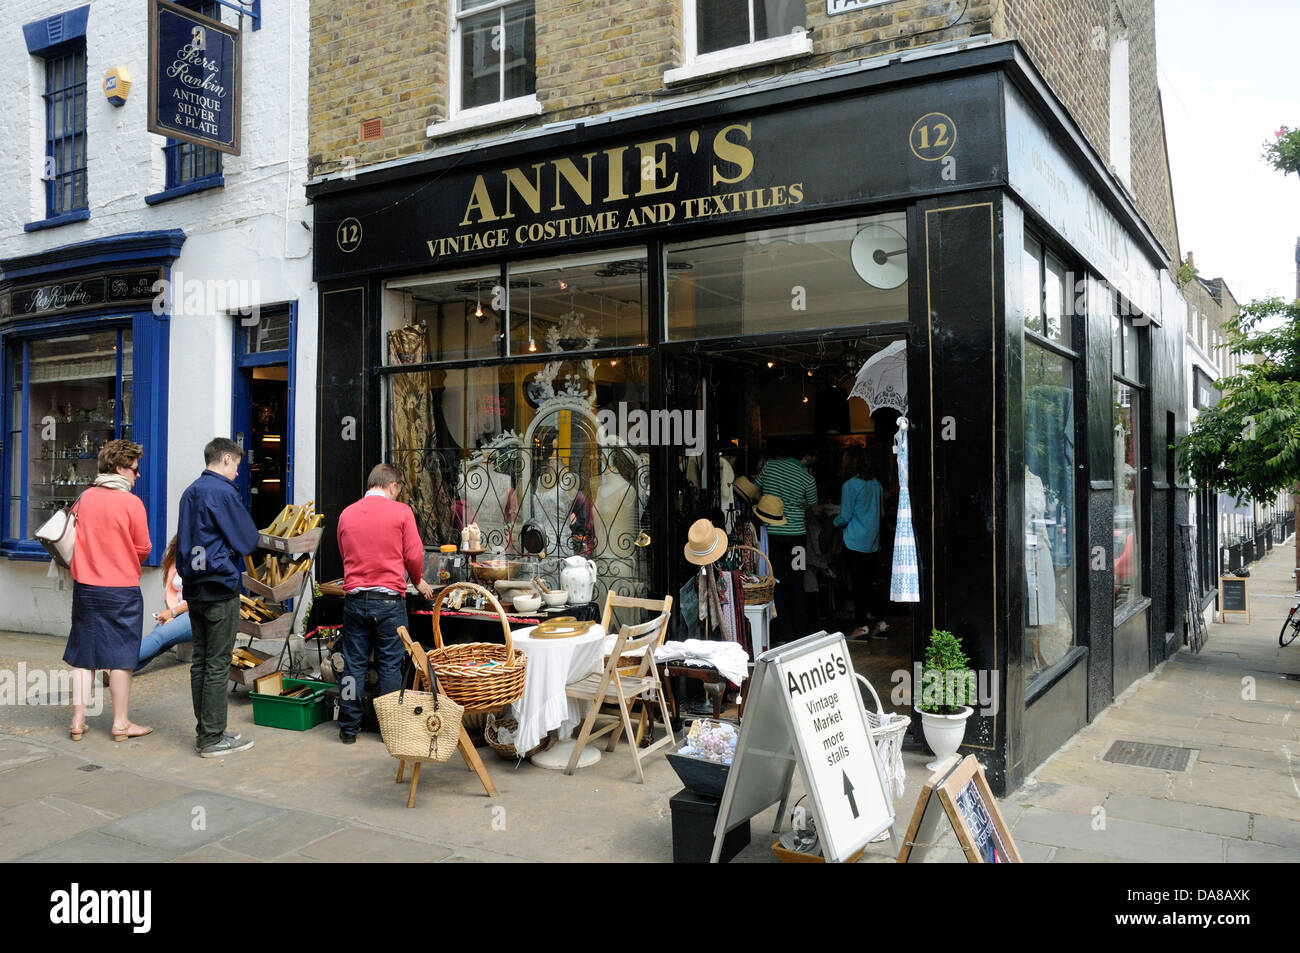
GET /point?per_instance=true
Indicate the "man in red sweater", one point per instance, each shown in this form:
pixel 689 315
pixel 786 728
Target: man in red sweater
pixel 381 547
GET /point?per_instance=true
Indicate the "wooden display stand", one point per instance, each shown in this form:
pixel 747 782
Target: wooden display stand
pixel 959 792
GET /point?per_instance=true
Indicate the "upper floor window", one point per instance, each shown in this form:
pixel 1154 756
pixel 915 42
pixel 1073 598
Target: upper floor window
pixel 721 35
pixel 1120 112
pixel 496 52
pixel 65 131
pixel 720 24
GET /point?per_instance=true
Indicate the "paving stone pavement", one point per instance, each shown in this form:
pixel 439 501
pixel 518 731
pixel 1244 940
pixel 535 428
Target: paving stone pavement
pixel 304 798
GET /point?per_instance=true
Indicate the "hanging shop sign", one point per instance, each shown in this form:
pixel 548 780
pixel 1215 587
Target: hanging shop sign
pixel 803 709
pixel 959 794
pixel 813 154
pixel 115 290
pixel 194 77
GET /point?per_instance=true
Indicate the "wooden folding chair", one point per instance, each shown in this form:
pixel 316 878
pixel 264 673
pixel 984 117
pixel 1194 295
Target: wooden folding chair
pixel 464 745
pixel 614 687
pixel 628 663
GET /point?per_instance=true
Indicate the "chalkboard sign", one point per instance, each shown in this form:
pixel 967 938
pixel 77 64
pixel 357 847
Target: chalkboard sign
pixel 1234 597
pixel 967 801
pixel 688 607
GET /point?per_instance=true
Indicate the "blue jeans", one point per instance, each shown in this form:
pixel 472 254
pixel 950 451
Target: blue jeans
pixel 163 637
pixel 370 623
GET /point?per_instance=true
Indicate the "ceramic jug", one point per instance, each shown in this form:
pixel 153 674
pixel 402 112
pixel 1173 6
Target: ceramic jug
pixel 578 577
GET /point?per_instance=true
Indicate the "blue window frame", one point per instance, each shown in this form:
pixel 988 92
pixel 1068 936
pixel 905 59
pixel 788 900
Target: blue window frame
pixel 65 130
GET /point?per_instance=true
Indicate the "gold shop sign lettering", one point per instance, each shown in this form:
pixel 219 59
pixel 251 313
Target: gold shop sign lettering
pixel 679 178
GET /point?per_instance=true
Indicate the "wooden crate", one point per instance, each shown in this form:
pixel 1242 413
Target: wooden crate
pixel 248 676
pixel 291 588
pixel 304 543
pixel 277 628
pixel 795 857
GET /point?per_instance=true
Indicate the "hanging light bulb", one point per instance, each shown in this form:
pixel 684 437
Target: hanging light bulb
pixel 478 302
pixel 770 365
pixel 613 363
pixel 805 398
pixel 532 345
pixel 810 373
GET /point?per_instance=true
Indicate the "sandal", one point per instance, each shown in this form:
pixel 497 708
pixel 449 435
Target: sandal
pixel 76 731
pixel 130 731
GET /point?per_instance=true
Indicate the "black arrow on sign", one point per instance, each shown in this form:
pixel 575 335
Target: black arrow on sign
pixel 848 792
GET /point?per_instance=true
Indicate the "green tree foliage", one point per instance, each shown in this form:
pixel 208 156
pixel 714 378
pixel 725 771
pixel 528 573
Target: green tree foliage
pixel 1249 445
pixel 1283 153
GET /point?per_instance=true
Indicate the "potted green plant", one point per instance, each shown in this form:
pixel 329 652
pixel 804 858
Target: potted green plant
pixel 945 694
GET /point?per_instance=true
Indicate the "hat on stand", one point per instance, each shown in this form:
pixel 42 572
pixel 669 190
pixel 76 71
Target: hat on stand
pixel 705 543
pixel 771 510
pixel 746 489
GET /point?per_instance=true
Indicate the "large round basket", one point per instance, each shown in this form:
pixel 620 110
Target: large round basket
pixel 508 751
pixel 482 676
pixel 762 590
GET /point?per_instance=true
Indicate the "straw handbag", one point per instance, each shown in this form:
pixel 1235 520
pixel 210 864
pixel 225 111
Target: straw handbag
pixel 419 726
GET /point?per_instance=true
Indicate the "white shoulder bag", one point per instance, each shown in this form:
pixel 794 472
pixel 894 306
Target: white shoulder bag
pixel 58 535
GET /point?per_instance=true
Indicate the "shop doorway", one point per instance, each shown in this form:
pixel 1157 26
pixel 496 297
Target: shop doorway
pixel 786 399
pixel 262 413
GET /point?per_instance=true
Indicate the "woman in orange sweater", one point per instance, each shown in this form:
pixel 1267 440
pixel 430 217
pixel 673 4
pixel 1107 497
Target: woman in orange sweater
pixel 107 605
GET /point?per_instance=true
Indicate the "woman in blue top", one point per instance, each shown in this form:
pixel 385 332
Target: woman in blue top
pixel 860 517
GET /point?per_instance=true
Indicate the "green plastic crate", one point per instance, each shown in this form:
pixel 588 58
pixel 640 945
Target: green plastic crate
pixel 295 714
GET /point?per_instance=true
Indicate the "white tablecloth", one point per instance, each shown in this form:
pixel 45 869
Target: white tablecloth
pixel 552 664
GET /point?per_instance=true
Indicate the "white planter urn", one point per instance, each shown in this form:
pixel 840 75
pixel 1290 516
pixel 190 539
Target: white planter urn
pixel 943 733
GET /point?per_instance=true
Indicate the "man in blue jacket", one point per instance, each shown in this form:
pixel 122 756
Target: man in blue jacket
pixel 214 531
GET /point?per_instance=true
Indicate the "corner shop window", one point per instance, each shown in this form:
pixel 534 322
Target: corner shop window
pixel 723 24
pixel 77 397
pixel 1127 423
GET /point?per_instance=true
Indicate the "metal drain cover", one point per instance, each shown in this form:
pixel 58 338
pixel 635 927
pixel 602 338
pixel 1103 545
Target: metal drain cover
pixel 1143 755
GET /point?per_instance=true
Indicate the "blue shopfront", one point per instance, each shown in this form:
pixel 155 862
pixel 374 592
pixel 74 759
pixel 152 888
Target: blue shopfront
pixel 84 360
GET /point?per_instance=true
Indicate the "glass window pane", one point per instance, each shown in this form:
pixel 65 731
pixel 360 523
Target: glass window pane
pixel 270 334
pixel 1050 565
pixel 777 17
pixel 1127 553
pixel 721 24
pixel 480 64
pixel 1132 367
pixel 575 304
pixel 519 57
pixel 504 445
pixel 1032 284
pixel 1056 303
pixel 832 274
pixel 72 391
pixel 1117 345
pixel 447 318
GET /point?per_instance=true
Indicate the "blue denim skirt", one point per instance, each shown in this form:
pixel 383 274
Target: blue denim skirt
pixel 106 624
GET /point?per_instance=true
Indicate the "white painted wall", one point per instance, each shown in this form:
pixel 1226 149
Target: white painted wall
pixel 253 229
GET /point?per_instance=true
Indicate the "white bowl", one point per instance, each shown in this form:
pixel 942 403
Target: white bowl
pixel 527 603
pixel 556 597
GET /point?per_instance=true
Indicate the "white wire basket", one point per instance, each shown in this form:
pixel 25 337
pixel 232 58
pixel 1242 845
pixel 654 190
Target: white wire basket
pixel 887 731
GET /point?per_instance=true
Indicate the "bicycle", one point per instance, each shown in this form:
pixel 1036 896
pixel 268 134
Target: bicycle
pixel 1292 623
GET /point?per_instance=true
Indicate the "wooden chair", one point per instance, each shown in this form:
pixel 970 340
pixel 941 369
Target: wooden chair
pixel 628 663
pixel 464 745
pixel 614 687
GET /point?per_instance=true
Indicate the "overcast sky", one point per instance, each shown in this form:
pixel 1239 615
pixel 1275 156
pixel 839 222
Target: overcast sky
pixel 1229 79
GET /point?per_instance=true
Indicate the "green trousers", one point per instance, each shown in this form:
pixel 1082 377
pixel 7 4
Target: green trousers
pixel 214 625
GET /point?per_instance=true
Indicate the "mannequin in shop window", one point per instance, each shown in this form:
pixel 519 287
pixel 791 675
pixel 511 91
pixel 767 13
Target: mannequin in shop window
pixel 486 497
pixel 1040 578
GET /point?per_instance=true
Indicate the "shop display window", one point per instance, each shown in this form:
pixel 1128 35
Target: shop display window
pixel 845 273
pixel 497 50
pixel 460 314
pixel 578 304
pixel 1051 572
pixel 553 445
pixel 78 396
pixel 1128 517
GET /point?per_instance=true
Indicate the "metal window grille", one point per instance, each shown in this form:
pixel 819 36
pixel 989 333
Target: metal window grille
pixel 65 132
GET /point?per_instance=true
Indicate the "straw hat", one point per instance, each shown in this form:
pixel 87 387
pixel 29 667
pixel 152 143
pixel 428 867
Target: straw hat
pixel 771 510
pixel 746 488
pixel 705 543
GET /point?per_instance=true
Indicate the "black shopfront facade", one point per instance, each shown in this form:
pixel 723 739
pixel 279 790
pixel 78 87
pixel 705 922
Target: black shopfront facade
pixel 482 310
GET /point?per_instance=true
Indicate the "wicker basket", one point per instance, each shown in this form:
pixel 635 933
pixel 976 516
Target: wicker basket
pixel 756 592
pixel 460 669
pixel 508 751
